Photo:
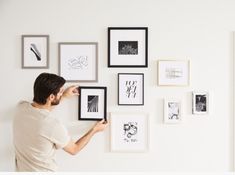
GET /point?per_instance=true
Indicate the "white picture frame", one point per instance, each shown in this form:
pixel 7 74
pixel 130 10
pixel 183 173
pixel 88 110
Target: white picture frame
pixel 130 89
pixel 173 72
pixel 172 111
pixel 78 61
pixel 35 51
pixel 200 103
pixel 129 132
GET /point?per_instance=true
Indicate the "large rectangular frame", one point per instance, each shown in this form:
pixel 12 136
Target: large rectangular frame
pixel 132 31
pixel 78 62
pixel 82 106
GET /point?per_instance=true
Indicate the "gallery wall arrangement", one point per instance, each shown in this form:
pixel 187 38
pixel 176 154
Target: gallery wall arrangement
pixel 127 48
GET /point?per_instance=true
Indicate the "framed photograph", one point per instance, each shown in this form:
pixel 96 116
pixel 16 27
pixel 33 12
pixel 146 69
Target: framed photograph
pixel 35 51
pixel 172 111
pixel 173 73
pixel 78 61
pixel 128 47
pixel 200 102
pixel 130 89
pixel 92 104
pixel 129 132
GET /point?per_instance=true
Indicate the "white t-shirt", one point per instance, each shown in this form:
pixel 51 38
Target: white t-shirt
pixel 37 135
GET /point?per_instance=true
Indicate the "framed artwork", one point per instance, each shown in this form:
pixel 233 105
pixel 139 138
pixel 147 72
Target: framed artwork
pixel 200 102
pixel 92 104
pixel 35 51
pixel 78 61
pixel 129 132
pixel 173 73
pixel 172 111
pixel 130 89
pixel 128 47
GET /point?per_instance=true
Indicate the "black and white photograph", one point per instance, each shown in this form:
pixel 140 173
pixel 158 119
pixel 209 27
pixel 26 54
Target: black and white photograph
pixel 128 47
pixel 35 51
pixel 92 103
pixel 78 61
pixel 200 102
pixel 129 132
pixel 130 89
pixel 172 111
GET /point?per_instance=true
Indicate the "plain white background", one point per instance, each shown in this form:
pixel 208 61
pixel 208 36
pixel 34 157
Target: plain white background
pixel 198 30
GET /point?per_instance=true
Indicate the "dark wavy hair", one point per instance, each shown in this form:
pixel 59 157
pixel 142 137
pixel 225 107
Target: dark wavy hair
pixel 45 85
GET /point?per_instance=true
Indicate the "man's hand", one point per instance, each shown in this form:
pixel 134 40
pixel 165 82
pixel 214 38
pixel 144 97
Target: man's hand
pixel 70 91
pixel 100 126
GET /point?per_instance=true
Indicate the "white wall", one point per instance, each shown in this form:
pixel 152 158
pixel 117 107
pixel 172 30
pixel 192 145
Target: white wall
pixel 198 30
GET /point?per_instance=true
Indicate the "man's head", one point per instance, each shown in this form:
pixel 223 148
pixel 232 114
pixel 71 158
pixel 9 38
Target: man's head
pixel 48 87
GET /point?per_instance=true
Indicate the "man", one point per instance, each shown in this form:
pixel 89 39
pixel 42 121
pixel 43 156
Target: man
pixel 37 134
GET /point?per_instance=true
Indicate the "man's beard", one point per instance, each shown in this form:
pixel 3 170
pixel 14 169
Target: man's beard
pixel 55 101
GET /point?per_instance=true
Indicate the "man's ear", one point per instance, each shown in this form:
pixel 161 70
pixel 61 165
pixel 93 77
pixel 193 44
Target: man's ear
pixel 51 97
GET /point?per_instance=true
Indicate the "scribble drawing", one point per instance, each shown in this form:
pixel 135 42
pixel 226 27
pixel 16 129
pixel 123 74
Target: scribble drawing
pixel 35 51
pixel 131 87
pixel 173 73
pixel 130 131
pixel 79 62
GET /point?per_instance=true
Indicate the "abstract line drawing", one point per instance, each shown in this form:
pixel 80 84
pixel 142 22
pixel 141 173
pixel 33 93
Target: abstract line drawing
pixel 128 47
pixel 80 62
pixel 131 87
pixel 92 103
pixel 173 111
pixel 130 130
pixel 173 73
pixel 36 52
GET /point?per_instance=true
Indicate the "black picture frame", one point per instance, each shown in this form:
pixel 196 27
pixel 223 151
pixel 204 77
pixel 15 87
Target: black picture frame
pixel 141 103
pixel 94 97
pixel 132 47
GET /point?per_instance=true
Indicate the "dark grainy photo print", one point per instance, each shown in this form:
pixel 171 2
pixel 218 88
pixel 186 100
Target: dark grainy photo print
pixel 128 47
pixel 93 101
pixel 201 103
pixel 173 111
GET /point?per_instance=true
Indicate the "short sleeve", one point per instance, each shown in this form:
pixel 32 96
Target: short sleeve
pixel 60 136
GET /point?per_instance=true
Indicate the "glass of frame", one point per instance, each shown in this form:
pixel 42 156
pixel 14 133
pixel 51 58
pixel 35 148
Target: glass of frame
pixel 130 89
pixel 200 102
pixel 78 61
pixel 92 103
pixel 129 132
pixel 35 51
pixel 173 72
pixel 172 111
pixel 128 47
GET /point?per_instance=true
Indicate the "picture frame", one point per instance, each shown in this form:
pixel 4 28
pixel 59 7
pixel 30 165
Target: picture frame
pixel 92 103
pixel 127 47
pixel 172 111
pixel 35 51
pixel 78 61
pixel 129 132
pixel 130 89
pixel 173 72
pixel 200 102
